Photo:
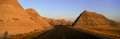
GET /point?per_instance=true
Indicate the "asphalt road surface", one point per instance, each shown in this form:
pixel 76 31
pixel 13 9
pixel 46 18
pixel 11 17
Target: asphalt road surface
pixel 61 32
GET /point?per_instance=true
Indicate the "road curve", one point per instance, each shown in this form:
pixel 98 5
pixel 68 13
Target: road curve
pixel 61 32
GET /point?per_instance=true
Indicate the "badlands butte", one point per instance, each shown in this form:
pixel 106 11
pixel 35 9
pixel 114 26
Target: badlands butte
pixel 15 20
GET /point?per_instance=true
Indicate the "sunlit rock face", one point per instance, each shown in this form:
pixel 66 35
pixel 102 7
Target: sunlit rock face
pixel 93 19
pixel 54 22
pixel 61 22
pixel 14 19
pixel 37 18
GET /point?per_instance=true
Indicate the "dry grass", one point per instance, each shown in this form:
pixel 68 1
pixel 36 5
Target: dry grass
pixel 27 35
pixel 104 31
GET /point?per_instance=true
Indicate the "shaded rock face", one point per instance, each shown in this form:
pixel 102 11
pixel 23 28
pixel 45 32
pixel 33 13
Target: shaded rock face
pixel 14 19
pixel 93 19
pixel 37 18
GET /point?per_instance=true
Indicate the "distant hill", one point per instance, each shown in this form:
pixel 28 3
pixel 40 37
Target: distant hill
pixel 61 21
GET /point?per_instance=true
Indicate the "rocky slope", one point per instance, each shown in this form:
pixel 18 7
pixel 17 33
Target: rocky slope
pixel 53 22
pixel 14 19
pixel 94 19
pixel 97 24
pixel 37 18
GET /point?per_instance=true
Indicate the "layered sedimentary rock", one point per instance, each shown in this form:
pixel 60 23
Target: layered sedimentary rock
pixel 37 18
pixel 14 19
pixel 97 24
pixel 93 19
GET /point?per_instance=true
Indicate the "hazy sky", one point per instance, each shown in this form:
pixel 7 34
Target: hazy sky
pixel 70 9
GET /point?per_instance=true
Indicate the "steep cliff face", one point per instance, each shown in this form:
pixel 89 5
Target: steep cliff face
pixel 14 19
pixel 37 18
pixel 93 19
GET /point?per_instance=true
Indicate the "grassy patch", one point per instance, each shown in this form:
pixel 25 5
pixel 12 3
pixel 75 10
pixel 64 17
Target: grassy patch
pixel 107 31
pixel 27 35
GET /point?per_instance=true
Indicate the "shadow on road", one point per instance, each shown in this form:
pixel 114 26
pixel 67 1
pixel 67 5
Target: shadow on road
pixel 62 32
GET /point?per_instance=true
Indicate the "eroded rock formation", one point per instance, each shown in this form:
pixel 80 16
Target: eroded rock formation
pixel 37 18
pixel 53 22
pixel 14 19
pixel 93 19
pixel 97 24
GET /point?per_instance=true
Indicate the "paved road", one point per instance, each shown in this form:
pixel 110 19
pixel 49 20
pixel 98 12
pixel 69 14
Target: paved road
pixel 61 32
